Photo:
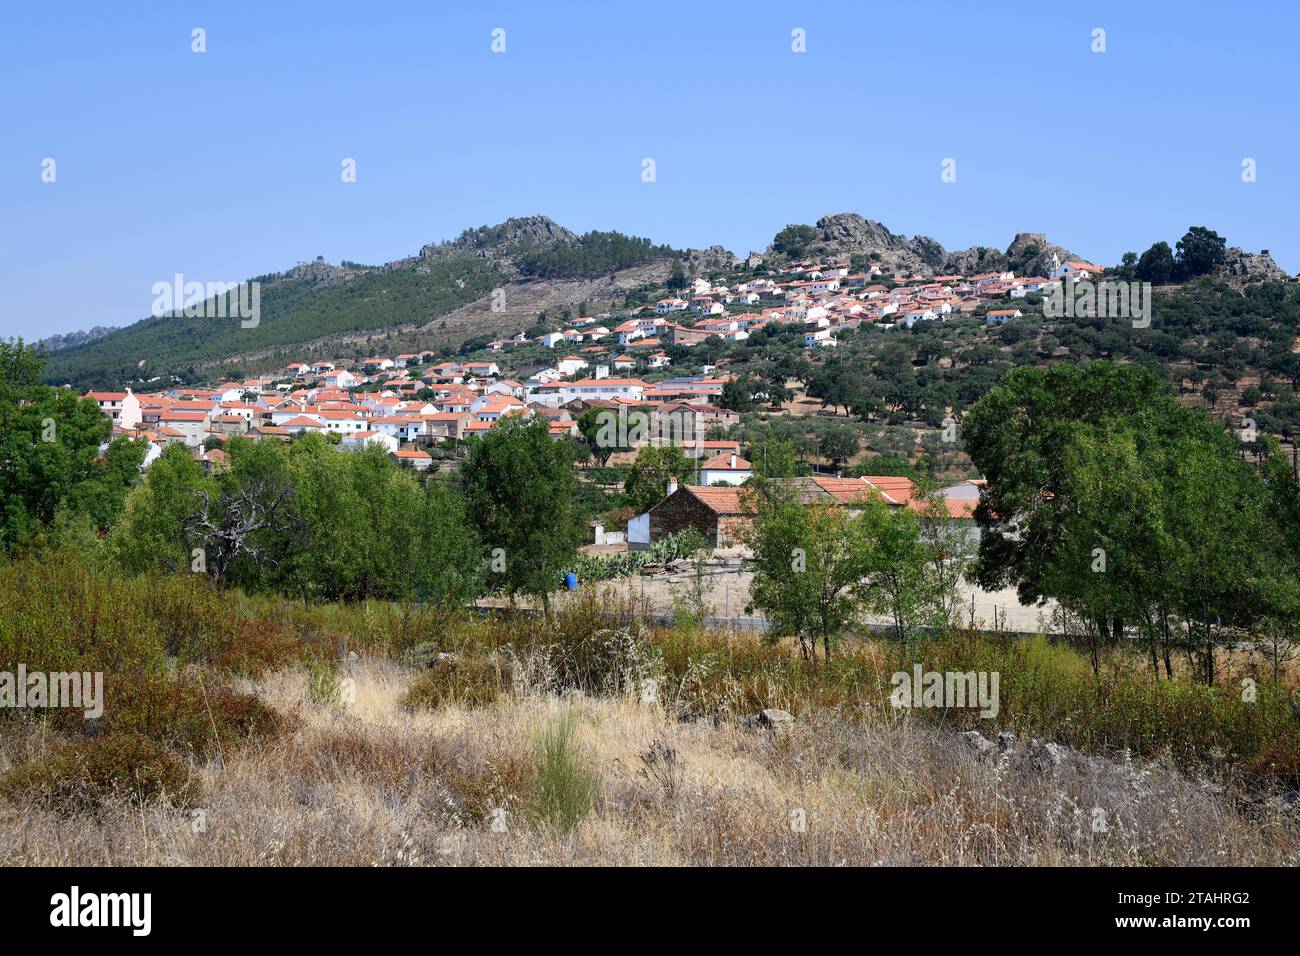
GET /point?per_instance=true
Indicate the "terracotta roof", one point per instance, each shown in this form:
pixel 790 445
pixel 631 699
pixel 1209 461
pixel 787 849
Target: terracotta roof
pixel 727 462
pixel 843 490
pixel 720 499
pixel 898 491
pixel 956 507
pixel 175 416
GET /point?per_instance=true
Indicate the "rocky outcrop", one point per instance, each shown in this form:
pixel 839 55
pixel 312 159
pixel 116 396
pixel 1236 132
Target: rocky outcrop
pixel 712 259
pixel 512 235
pixel 1030 254
pixel 68 339
pixel 1045 757
pixel 847 233
pixel 974 260
pixel 319 272
pixel 1245 266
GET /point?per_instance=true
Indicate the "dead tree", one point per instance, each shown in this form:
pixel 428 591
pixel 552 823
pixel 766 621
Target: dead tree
pixel 234 526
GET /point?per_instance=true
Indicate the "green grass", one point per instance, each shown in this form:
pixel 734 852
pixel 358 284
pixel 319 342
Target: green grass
pixel 565 783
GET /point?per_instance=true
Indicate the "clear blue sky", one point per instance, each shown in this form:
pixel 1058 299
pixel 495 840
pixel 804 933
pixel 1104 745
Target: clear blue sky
pixel 226 164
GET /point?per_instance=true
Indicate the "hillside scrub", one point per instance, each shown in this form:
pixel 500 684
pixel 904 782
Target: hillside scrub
pixel 154 634
pixel 379 785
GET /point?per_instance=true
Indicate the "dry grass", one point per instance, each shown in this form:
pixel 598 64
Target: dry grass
pixel 365 780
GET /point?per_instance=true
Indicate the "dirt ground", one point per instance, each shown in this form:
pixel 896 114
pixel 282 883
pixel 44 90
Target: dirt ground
pixel 727 593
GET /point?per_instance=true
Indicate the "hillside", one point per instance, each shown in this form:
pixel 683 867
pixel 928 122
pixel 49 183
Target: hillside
pixel 440 296
pixel 496 281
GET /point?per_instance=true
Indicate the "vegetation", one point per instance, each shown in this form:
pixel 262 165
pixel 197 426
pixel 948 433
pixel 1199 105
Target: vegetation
pixel 295 308
pixel 51 468
pixel 819 569
pixel 655 466
pixel 519 491
pixel 1129 510
pixel 514 775
pixel 302 519
pixel 565 784
pixel 595 253
pixel 673 547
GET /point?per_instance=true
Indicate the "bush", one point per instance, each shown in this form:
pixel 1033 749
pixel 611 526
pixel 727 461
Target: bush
pixel 80 776
pixel 184 713
pixel 565 783
pixel 471 680
pixel 250 648
pixel 63 613
pixel 597 642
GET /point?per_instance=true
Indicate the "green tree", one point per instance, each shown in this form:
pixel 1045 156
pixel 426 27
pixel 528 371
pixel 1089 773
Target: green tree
pixel 604 432
pixel 647 480
pixel 810 565
pixel 51 461
pixel 794 241
pixel 901 584
pixel 738 394
pixel 1109 497
pixel 1199 251
pixel 519 490
pixel 774 456
pixel 839 443
pixel 1156 265
pixel 151 532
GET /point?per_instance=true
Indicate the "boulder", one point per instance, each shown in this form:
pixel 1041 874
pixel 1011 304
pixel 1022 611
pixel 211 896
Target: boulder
pixel 769 719
pixel 980 745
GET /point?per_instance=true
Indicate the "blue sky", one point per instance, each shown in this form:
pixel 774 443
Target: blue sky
pixel 226 164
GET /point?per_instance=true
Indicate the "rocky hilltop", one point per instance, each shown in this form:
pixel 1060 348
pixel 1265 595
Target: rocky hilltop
pixel 1241 266
pixel 848 233
pixel 513 235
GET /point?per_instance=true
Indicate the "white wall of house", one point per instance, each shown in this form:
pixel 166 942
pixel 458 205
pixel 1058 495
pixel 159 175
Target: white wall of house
pixel 638 533
pixel 710 476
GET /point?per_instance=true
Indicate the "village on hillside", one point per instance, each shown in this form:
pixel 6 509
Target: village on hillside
pixel 419 409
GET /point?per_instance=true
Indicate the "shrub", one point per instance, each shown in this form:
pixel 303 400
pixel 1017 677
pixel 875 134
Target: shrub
pixel 81 775
pixel 595 567
pixel 564 783
pixel 182 712
pixel 62 613
pixel 253 647
pixel 472 680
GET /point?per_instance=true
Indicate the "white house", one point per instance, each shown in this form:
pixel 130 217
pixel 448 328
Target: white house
pixel 413 457
pixel 726 469
pixel 122 408
pixel 1078 270
pixel 819 338
pixel 571 365
pixel 359 440
pixel 302 423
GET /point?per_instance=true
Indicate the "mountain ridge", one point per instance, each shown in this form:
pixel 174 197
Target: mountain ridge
pixel 443 295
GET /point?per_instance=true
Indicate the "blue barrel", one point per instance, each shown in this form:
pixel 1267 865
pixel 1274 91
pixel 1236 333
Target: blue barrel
pixel 571 581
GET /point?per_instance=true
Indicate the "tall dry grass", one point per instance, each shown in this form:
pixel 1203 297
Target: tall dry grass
pixel 375 734
pixel 374 782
